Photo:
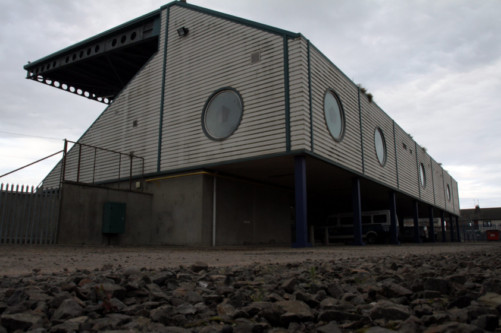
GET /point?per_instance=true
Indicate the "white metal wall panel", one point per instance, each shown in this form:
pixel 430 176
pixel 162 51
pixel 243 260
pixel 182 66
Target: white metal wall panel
pixel 426 192
pixel 455 191
pixel 299 94
pixel 449 202
pixel 53 178
pixel 215 54
pixel 324 75
pixel 373 117
pixel 129 124
pixel 408 179
pixel 438 182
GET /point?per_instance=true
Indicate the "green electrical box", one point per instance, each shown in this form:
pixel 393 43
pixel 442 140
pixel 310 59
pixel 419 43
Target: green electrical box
pixel 114 218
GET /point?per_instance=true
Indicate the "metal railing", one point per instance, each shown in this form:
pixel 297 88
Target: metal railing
pixel 90 164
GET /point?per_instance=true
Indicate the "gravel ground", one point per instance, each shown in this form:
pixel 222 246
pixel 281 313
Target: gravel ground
pixel 23 259
pixel 431 288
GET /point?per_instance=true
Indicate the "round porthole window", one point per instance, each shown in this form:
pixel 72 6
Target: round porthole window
pixel 334 115
pixel 222 114
pixel 380 145
pixel 448 192
pixel 422 175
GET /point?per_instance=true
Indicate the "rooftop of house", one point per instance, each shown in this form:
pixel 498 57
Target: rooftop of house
pixel 478 213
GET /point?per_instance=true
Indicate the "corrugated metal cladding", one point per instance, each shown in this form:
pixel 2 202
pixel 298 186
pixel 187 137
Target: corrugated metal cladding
pixel 426 192
pixel 299 95
pixel 450 192
pixel 130 124
pixel 455 192
pixel 438 183
pixel 373 118
pixel 217 53
pixel 408 179
pixel 403 155
pixel 324 75
pixel 53 178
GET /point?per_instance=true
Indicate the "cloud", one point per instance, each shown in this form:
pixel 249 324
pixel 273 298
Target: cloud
pixel 433 66
pixel 481 184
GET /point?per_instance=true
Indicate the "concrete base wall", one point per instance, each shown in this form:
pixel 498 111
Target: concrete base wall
pixel 246 213
pixel 251 213
pixel 179 210
pixel 81 216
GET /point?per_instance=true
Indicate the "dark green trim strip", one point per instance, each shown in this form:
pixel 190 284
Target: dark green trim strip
pixel 433 181
pixel 452 194
pixel 162 98
pixel 361 131
pixel 396 154
pixel 310 101
pixel 223 163
pixel 417 168
pixel 444 189
pixel 236 19
pixel 287 95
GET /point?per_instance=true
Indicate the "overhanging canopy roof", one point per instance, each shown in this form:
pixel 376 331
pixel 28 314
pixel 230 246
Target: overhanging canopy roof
pixel 99 67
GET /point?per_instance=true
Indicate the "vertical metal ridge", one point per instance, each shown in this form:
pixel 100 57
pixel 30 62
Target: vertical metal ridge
pixel 287 95
pixel 433 182
pixel 361 131
pixel 310 97
pixel 396 154
pixel 417 168
pixel 162 96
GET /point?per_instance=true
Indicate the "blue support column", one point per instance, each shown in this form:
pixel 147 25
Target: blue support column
pixel 300 196
pixel 452 228
pixel 417 239
pixel 442 223
pixel 393 217
pixel 357 212
pixel 431 234
pixel 457 228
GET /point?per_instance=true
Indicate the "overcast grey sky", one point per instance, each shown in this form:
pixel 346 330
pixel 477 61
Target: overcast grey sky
pixel 433 65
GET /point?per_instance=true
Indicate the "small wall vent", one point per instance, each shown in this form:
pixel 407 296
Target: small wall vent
pixel 255 57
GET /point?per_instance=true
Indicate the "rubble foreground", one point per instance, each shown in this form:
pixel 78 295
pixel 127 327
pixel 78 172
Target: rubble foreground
pixel 443 292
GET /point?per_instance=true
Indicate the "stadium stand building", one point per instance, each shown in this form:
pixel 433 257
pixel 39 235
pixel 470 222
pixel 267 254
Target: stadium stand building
pixel 222 131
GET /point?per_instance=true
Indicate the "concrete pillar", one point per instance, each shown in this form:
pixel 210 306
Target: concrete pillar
pixel 442 223
pixel 457 228
pixel 417 239
pixel 431 232
pixel 451 223
pixel 301 203
pixel 357 212
pixel 393 218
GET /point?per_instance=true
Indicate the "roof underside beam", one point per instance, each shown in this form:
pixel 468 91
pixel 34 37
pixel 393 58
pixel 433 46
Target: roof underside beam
pixel 100 67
